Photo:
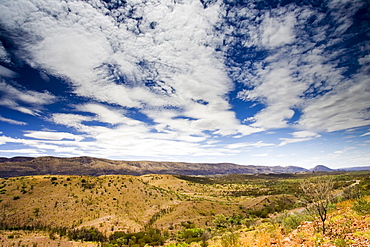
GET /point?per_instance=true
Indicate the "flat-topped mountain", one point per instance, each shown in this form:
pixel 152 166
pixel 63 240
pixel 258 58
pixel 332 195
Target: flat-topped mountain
pixel 24 166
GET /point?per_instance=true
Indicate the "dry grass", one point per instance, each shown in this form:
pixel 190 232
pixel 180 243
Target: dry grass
pixel 111 203
pixel 346 228
pixel 39 239
pixel 129 203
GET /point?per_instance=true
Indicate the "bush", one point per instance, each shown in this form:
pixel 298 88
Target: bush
pixel 340 242
pixel 362 207
pixel 188 224
pixel 190 233
pixel 260 213
pixel 292 221
pixel 223 222
pixel 139 239
pixel 86 185
pixel 178 245
pixel 353 192
pixel 230 240
pixel 365 186
pixel 87 234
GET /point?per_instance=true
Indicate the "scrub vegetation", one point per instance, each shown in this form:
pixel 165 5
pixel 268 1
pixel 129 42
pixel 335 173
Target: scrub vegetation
pixel 167 210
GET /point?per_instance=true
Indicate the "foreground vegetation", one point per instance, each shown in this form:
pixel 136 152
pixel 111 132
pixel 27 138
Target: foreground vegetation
pixel 157 210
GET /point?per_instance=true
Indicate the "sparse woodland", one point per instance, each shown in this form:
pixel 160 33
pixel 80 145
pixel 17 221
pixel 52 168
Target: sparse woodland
pixel 166 210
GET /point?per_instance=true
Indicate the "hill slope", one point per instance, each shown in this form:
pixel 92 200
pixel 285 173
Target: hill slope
pixel 26 166
pixel 119 202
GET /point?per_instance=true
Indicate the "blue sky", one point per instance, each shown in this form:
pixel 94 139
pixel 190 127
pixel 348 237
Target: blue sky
pixel 249 82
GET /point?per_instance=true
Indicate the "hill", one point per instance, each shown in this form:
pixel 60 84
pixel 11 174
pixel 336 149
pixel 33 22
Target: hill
pixel 88 166
pixel 321 168
pixel 122 202
pixel 53 210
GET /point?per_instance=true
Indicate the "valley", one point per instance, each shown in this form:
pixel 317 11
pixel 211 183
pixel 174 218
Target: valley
pixel 65 207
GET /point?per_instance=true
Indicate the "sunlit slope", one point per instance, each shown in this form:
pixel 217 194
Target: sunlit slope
pixel 112 203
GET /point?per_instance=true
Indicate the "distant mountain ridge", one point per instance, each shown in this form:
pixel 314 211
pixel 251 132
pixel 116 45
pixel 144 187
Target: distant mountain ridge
pixel 25 166
pixel 358 168
pixel 322 168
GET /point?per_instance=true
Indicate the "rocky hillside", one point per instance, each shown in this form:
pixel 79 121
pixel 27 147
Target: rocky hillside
pixel 26 166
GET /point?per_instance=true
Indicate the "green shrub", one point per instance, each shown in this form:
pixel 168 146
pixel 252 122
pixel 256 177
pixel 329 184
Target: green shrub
pixel 86 185
pixel 292 221
pixel 87 234
pixel 230 240
pixel 353 192
pixel 52 235
pixel 260 213
pixel 365 186
pixel 190 233
pixel 340 242
pixel 223 222
pixel 362 207
pixel 188 224
pixel 150 237
pixel 178 245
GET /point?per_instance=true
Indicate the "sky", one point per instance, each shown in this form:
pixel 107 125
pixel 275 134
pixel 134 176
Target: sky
pixel 247 82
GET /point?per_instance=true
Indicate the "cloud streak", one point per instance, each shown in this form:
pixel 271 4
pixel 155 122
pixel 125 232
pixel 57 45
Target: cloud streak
pixel 12 121
pixel 25 101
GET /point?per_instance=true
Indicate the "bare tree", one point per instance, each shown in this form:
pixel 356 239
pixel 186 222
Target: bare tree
pixel 318 194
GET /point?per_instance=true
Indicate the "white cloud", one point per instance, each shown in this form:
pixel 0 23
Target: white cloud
pixel 29 102
pixel 364 60
pixel 107 114
pixel 70 120
pixel 47 135
pixel 286 141
pixel 304 77
pixel 344 150
pixel 342 11
pixel 27 151
pixel 4 56
pixel 49 142
pixel 260 155
pixel 343 108
pixel 278 31
pixel 71 53
pixel 5 72
pixel 299 136
pixel 12 121
pixel 107 55
pixel 305 134
pixel 280 92
pixel 366 134
pixel 158 140
pixel 249 145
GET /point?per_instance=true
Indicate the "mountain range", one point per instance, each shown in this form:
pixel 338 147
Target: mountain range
pixel 26 166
